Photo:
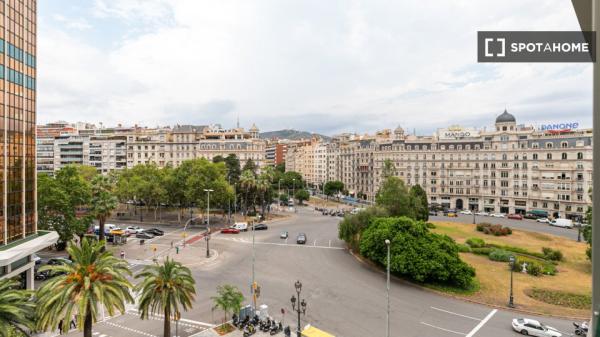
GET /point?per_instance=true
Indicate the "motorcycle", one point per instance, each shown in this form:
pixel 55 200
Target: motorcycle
pixel 266 326
pixel 244 323
pixel 275 328
pixel 235 320
pixel 287 332
pixel 249 330
pixel 581 330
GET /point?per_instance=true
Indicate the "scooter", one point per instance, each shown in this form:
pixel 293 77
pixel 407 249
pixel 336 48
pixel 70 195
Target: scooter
pixel 235 320
pixel 275 328
pixel 249 330
pixel 244 323
pixel 581 330
pixel 266 326
pixel 287 332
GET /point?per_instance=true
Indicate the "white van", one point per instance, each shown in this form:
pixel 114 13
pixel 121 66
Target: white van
pixel 241 226
pixel 565 223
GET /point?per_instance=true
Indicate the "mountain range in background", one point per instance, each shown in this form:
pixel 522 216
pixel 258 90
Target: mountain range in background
pixel 292 135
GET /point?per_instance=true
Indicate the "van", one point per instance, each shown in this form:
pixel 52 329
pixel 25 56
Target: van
pixel 241 226
pixel 565 223
pixel 107 228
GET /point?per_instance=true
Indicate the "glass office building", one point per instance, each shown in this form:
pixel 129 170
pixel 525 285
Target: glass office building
pixel 19 237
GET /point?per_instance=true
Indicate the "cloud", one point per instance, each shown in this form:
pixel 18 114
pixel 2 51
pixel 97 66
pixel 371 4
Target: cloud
pixel 323 66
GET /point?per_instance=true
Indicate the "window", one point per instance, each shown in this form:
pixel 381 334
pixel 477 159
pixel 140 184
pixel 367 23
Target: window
pixel 579 155
pixel 564 156
pixel 535 156
pixel 549 145
pixel 549 156
pixel 564 145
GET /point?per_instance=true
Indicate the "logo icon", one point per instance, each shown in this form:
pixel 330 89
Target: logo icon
pixel 502 42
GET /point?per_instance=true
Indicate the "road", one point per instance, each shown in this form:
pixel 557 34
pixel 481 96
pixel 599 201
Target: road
pixel 344 297
pixel 525 224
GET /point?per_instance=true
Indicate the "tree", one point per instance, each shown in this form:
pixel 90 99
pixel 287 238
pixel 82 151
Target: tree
pixel 416 253
pixel 148 184
pixel 280 168
pixel 250 166
pixel 587 232
pixel 247 186
pixel 229 299
pixel 103 201
pixel 333 187
pixel 419 203
pixel 203 175
pixel 166 288
pixel 17 310
pixel 302 195
pixel 233 168
pixel 388 169
pixel 218 159
pixel 393 196
pixel 93 280
pixel 352 226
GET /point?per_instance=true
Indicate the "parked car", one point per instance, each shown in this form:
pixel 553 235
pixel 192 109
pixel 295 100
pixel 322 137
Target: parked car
pixel 144 235
pixel 564 223
pixel 260 227
pixel 230 231
pixel 134 229
pixel 241 226
pixel 497 215
pixel 515 216
pixel 283 235
pixel 155 231
pixel 526 326
pixel 466 212
pixel 301 239
pixel 543 220
pixel 44 275
pixel 482 213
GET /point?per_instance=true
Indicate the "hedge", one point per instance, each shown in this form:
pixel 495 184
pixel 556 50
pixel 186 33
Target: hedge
pixel 500 255
pixel 475 242
pixel 552 254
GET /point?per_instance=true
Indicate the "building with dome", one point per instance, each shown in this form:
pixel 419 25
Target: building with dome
pixel 509 168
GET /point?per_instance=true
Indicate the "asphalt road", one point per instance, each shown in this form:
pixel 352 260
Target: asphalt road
pixel 344 297
pixel 525 224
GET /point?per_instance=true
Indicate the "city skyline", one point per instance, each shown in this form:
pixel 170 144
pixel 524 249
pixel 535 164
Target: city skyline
pixel 156 64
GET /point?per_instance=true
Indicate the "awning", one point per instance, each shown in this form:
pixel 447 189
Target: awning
pixel 311 331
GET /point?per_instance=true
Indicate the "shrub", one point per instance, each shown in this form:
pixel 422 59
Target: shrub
pixel 481 251
pixel 497 230
pixel 475 242
pixel 534 267
pixel 552 254
pixel 430 225
pixel 518 250
pixel 500 255
pixel 416 253
pixel 561 298
pixel 464 248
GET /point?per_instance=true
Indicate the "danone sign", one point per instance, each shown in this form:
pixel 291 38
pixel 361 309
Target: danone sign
pixel 457 132
pixel 559 126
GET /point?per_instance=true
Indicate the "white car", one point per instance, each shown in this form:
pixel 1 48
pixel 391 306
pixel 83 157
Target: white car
pixel 482 213
pixel 497 215
pixel 134 229
pixel 531 327
pixel 466 212
pixel 543 220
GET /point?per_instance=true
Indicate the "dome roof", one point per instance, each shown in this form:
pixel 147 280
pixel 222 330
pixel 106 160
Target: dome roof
pixel 254 128
pixel 399 130
pixel 505 117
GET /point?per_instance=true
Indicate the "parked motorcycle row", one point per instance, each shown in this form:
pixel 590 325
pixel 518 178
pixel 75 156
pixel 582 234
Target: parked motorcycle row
pixel 331 212
pixel 249 326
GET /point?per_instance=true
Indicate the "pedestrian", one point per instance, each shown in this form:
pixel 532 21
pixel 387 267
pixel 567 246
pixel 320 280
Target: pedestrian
pixel 171 243
pixel 73 324
pixel 122 254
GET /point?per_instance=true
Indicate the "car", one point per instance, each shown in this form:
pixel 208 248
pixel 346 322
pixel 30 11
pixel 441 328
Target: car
pixel 515 216
pixel 155 231
pixel 144 235
pixel 230 231
pixel 301 239
pixel 526 326
pixel 283 235
pixel 260 227
pixel 543 220
pixel 466 212
pixel 134 229
pixel 497 215
pixel 482 213
pixel 564 223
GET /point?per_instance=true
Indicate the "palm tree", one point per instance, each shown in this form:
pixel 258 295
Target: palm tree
pixel 17 311
pixel 263 188
pixel 103 201
pixel 247 183
pixel 164 289
pixel 229 299
pixel 94 279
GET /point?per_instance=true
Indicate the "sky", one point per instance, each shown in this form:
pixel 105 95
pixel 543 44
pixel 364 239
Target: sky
pixel 320 66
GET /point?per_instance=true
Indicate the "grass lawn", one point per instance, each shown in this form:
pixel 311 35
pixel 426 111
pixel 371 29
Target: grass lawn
pixel 574 273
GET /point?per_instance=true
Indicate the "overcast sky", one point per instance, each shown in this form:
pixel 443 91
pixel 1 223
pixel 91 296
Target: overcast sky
pixel 324 66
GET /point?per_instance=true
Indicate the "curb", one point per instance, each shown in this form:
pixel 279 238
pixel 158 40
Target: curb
pixel 374 267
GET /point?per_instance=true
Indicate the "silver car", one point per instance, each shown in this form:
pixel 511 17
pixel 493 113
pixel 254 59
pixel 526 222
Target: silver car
pixel 531 327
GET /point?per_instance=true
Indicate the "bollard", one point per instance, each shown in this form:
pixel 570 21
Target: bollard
pixel 177 250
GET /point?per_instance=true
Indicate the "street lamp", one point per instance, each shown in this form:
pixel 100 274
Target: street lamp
pixel 208 220
pixel 293 188
pixel 300 308
pixel 387 320
pixel 474 222
pixel 511 303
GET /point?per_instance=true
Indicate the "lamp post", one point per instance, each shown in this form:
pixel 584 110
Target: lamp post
pixel 208 220
pixel 387 318
pixel 229 203
pixel 474 222
pixel 511 303
pixel 293 188
pixel 279 193
pixel 300 308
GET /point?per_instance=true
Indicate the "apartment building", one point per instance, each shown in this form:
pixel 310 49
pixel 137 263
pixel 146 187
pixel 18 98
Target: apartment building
pixel 509 168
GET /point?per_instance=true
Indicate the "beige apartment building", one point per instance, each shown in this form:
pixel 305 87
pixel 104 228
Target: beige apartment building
pixel 510 168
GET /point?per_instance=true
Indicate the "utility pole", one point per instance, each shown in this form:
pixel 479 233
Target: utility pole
pixel 387 317
pixel 208 221
pixel 253 273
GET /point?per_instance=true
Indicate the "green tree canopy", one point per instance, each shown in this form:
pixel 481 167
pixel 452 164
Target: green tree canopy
pixel 233 168
pixel 229 299
pixel 250 166
pixel 393 196
pixel 416 253
pixel 167 289
pixel 301 195
pixel 218 159
pixel 17 309
pixel 388 169
pixel 93 280
pixel 333 187
pixel 103 201
pixel 419 203
pixel 351 227
pixel 207 175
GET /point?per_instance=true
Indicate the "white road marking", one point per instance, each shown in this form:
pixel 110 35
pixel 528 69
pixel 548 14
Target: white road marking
pixel 453 313
pixel 437 327
pixel 329 243
pixel 159 316
pixel 482 323
pixel 129 329
pixel 315 243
